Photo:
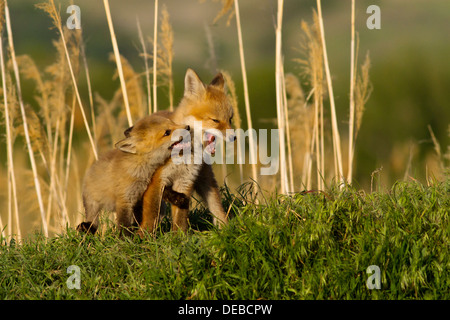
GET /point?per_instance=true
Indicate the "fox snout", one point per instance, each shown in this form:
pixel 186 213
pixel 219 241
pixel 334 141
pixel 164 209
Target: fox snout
pixel 182 138
pixel 227 136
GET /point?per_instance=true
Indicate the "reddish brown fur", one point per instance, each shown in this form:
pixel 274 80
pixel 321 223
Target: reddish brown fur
pixel 117 181
pixel 210 105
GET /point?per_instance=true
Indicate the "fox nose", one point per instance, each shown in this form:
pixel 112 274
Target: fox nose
pixel 231 138
pixel 188 128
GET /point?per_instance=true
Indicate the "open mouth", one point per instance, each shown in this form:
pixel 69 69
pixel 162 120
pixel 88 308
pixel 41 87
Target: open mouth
pixel 210 143
pixel 180 144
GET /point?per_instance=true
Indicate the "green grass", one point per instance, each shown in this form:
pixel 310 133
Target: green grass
pixel 308 246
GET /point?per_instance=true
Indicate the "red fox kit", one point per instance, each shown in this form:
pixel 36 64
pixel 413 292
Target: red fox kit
pixel 176 182
pixel 117 181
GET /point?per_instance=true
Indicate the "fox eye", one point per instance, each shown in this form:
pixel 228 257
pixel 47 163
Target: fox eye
pixel 215 120
pixel 167 133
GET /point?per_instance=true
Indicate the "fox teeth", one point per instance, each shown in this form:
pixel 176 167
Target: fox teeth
pixel 210 148
pixel 182 145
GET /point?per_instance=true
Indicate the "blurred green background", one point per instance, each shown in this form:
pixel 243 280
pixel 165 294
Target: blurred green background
pixel 410 58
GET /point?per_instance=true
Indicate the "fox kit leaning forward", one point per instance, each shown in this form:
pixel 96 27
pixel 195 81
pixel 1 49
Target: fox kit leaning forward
pixel 117 181
pixel 175 182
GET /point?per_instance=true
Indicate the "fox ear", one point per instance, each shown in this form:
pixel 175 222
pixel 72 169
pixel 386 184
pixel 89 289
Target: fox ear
pixel 126 145
pixel 218 81
pixel 127 132
pixel 192 84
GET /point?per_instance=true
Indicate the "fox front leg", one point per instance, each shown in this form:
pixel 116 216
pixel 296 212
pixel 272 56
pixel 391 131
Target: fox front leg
pixel 125 217
pixel 206 186
pixel 92 210
pixel 151 205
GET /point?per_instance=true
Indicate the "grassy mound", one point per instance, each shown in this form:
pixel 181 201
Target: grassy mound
pixel 305 246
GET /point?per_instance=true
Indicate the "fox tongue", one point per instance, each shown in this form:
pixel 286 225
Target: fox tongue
pixel 211 148
pixel 211 145
pixel 182 145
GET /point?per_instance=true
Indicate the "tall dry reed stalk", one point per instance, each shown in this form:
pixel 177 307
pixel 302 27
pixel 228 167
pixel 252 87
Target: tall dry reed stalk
pixel 49 138
pixel 50 8
pixel 236 120
pixel 335 130
pixel 227 6
pixel 71 54
pixel 89 85
pixel 69 149
pixel 252 142
pixel 288 135
pixel 360 90
pixel 147 70
pixel 363 90
pixel 279 83
pixel 313 66
pixel 164 56
pixel 25 122
pixel 352 97
pixel 118 62
pixel 166 69
pixel 316 66
pixel 155 60
pixel 12 185
pixel 361 93
pixel 301 128
pixel 49 141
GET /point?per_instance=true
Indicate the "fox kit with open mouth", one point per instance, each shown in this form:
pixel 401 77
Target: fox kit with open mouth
pixel 117 180
pixel 175 182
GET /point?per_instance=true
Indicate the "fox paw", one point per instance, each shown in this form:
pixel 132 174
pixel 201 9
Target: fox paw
pixel 86 227
pixel 178 199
